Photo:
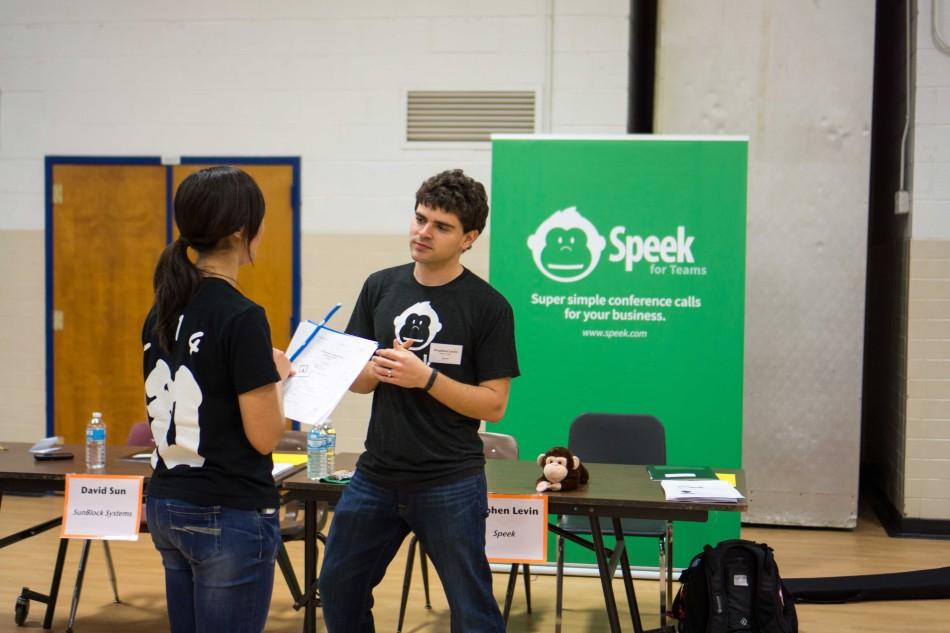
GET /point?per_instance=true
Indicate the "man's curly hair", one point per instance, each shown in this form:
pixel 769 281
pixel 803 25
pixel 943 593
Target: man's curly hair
pixel 456 193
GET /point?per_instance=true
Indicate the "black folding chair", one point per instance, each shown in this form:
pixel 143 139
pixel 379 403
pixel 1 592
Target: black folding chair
pixel 609 438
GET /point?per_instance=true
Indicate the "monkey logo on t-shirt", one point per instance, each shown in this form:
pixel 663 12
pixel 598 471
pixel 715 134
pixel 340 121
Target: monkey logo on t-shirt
pixel 418 322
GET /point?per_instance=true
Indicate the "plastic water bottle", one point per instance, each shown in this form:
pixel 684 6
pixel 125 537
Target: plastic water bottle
pixel 96 443
pixel 331 445
pixel 317 444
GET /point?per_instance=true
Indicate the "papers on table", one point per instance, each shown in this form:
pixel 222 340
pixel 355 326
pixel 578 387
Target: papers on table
pixel 280 470
pixel 294 458
pixel 285 464
pixel 708 490
pixel 140 456
pixel 47 445
pixel 326 363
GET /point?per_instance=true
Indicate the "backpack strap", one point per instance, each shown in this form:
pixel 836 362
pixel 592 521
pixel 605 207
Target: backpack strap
pixel 716 590
pixel 769 609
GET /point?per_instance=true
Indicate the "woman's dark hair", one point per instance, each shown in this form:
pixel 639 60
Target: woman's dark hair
pixel 210 205
pixel 458 194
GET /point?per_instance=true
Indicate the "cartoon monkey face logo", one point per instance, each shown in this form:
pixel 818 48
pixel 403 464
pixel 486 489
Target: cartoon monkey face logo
pixel 418 322
pixel 566 247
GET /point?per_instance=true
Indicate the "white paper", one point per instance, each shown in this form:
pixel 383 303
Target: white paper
pixel 102 507
pixel 325 368
pixel 280 468
pixel 516 529
pixel 47 445
pixel 711 490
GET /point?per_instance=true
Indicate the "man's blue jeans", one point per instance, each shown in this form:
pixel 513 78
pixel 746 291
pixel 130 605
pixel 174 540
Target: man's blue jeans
pixel 219 564
pixel 370 523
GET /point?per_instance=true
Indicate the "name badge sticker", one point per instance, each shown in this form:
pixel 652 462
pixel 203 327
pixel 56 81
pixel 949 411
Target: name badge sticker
pixel 445 354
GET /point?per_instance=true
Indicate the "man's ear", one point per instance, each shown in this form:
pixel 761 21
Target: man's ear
pixel 469 239
pixel 577 462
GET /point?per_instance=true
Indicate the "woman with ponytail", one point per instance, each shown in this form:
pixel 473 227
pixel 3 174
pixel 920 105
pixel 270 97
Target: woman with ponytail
pixel 213 387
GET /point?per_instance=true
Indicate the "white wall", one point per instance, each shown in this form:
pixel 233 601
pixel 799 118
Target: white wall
pixel 322 80
pixel 930 217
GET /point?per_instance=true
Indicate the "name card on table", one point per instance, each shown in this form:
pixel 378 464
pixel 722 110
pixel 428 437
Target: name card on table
pixel 516 530
pixel 107 507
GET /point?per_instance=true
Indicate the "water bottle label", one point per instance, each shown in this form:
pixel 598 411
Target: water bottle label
pixel 96 435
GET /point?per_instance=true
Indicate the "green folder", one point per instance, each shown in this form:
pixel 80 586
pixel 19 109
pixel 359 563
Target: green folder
pixel 681 473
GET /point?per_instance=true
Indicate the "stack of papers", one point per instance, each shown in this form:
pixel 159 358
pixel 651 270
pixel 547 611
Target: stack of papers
pixel 327 362
pixel 286 463
pixel 279 471
pixel 47 445
pixel 708 490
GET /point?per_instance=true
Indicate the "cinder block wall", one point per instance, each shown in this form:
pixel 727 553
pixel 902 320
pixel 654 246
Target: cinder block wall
pixel 927 449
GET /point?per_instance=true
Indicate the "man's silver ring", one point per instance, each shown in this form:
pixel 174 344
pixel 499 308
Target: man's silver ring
pixel 390 373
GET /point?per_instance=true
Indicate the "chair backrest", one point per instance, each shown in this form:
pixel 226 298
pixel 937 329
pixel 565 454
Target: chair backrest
pixel 140 435
pixel 499 445
pixel 611 438
pixel 292 442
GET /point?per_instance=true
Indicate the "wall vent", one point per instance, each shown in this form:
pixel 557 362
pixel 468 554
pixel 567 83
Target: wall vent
pixel 460 116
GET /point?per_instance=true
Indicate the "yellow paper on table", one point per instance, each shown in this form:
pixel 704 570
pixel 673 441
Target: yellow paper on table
pixel 730 477
pixel 293 459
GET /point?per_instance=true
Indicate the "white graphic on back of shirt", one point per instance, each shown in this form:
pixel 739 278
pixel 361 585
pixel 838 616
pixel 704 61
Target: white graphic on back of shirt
pixel 418 322
pixel 193 341
pixel 174 399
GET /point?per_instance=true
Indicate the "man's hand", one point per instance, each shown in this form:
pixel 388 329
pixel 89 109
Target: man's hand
pixel 398 366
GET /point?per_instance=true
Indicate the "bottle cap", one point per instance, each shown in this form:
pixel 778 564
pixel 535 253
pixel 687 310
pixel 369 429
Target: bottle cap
pixel 96 414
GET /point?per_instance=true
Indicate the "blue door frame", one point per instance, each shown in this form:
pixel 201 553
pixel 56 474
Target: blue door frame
pixel 52 161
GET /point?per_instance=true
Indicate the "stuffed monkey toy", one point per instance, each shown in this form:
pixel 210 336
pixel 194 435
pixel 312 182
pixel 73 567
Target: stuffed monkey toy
pixel 562 470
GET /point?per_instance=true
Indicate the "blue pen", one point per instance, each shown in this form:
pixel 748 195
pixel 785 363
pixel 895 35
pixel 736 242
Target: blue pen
pixel 315 330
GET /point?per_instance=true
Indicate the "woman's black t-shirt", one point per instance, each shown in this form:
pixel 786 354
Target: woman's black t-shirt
pixel 222 348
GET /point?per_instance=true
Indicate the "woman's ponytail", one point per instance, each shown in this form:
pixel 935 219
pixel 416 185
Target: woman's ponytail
pixel 175 281
pixel 210 205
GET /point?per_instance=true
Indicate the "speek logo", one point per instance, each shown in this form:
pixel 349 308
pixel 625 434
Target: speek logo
pixel 566 247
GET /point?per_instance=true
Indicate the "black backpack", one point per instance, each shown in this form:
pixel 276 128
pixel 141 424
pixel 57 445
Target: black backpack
pixel 734 587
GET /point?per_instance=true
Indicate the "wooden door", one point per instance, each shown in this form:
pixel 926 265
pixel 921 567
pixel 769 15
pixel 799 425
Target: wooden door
pixel 269 280
pixel 108 229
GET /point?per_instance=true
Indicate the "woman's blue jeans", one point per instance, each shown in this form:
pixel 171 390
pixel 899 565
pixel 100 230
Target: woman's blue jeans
pixel 219 564
pixel 370 523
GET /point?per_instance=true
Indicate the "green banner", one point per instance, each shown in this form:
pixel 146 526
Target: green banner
pixel 624 261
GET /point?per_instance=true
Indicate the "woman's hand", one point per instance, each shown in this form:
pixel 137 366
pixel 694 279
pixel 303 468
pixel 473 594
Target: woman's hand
pixel 284 368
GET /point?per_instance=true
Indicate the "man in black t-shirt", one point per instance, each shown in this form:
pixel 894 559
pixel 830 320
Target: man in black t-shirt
pixel 446 360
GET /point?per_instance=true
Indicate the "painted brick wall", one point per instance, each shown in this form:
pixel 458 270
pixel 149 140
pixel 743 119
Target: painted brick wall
pixel 322 80
pixel 927 451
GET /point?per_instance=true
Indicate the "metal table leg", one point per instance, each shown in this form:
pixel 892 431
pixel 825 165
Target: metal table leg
pixel 627 577
pixel 605 574
pixel 310 565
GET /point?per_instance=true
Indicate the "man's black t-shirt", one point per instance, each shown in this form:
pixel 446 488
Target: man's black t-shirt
pixel 464 328
pixel 222 348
